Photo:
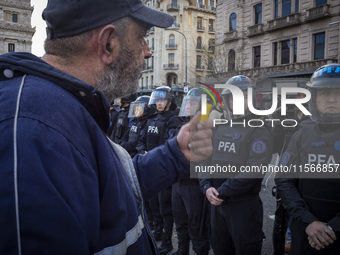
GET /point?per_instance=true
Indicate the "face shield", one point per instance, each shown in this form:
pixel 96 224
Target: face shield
pixel 325 105
pixel 137 109
pixel 190 105
pixel 229 103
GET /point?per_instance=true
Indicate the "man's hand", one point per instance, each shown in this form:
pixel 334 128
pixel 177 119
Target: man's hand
pixel 319 235
pixel 212 196
pixel 194 139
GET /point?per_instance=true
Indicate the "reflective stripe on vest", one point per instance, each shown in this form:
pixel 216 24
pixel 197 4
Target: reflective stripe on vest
pixel 130 238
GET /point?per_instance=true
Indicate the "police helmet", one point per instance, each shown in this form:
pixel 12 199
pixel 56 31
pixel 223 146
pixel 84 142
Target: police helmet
pixel 128 99
pixel 192 101
pixel 243 83
pixel 163 93
pixel 141 108
pixel 324 86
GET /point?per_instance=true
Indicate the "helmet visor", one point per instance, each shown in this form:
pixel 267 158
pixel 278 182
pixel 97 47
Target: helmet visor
pixel 136 109
pixel 325 105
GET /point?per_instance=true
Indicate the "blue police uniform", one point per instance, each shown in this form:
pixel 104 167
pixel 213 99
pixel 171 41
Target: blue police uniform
pixel 236 224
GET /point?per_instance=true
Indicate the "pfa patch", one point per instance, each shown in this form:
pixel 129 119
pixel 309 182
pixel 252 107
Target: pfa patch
pixel 236 136
pixel 258 147
pixel 337 145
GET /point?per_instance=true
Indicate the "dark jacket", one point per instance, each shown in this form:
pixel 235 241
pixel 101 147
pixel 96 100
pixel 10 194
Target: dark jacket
pixel 62 186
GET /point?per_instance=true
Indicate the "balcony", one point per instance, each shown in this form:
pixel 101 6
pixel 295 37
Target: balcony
pixel 213 8
pixel 174 26
pixel 150 68
pixel 199 47
pixel 202 6
pixel 211 49
pixel 230 36
pixel 171 46
pixel 211 30
pixel 172 7
pixel 200 68
pixel 170 66
pixel 284 22
pixel 255 30
pixel 317 13
pixel 152 30
pixel 200 28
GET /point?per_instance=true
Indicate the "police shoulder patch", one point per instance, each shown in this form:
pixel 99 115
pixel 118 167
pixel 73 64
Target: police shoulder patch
pixel 258 147
pixel 337 145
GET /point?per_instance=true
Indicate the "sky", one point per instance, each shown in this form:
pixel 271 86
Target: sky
pixel 40 26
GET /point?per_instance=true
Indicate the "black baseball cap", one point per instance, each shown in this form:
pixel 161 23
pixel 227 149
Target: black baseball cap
pixel 67 18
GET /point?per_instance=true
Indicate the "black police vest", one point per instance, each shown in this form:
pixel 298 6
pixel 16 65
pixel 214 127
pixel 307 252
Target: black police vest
pixel 156 128
pixel 121 125
pixel 320 149
pixel 135 129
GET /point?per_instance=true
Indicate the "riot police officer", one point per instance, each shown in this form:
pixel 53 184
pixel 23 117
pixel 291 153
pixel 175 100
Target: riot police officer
pixel 139 112
pixel 190 215
pixel 310 196
pixel 281 138
pixel 157 130
pixel 122 124
pixel 236 208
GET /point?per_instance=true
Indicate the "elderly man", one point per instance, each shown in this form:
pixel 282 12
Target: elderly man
pixel 65 188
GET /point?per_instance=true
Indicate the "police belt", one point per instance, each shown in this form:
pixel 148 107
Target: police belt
pixel 239 198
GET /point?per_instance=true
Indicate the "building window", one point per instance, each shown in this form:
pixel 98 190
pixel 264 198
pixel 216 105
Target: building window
pixel 14 17
pixel 198 62
pixel 146 81
pixel 232 22
pixel 275 51
pixel 285 49
pixel 295 50
pixel 212 4
pixel 152 62
pixel 319 46
pixel 200 4
pixel 11 47
pixel 276 11
pixel 258 14
pixel 171 41
pixel 199 23
pixel 297 6
pixel 257 56
pixel 151 81
pixel 171 60
pixel 199 43
pixel 231 60
pixel 320 2
pixel 286 7
pixel 211 25
pixel 211 45
pixel 211 63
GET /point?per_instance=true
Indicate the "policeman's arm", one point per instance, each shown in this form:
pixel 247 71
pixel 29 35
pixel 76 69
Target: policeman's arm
pixel 287 183
pixel 141 146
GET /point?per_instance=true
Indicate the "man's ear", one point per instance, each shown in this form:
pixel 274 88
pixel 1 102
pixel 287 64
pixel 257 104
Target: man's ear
pixel 108 44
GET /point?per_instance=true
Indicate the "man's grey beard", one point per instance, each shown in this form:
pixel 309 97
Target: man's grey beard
pixel 121 77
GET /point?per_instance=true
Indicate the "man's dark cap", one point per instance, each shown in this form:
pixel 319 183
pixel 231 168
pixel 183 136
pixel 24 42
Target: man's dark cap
pixel 67 18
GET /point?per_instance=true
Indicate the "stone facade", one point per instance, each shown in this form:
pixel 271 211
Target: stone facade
pixel 16 31
pixel 183 53
pixel 275 39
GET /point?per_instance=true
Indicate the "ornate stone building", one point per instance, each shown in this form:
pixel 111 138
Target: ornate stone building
pixel 273 40
pixel 183 53
pixel 16 31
